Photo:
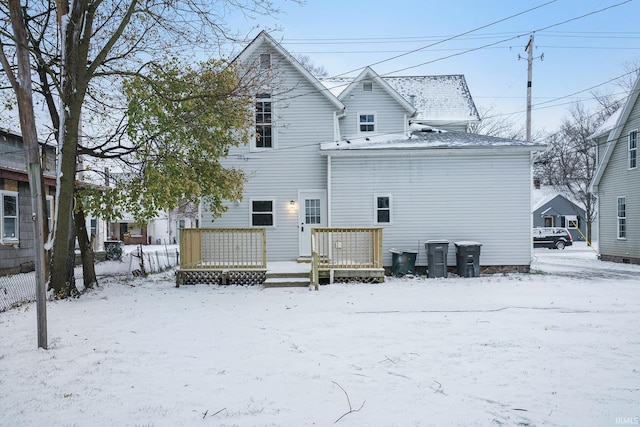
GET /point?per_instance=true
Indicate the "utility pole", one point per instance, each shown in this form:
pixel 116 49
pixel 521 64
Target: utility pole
pixel 529 49
pixel 21 84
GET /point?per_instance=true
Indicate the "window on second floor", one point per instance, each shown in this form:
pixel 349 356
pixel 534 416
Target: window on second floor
pixel 622 218
pixel 366 122
pixel 9 219
pixel 264 124
pixel 633 149
pixel 265 61
pixel 367 86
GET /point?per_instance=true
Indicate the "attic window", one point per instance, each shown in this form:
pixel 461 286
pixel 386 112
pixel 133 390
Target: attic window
pixel 265 61
pixel 367 86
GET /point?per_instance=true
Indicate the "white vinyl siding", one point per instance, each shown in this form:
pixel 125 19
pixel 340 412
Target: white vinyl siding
pixel 389 116
pixel 303 118
pixel 618 179
pixel 453 197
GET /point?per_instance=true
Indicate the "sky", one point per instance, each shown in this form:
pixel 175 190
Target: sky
pixel 555 349
pixel 578 46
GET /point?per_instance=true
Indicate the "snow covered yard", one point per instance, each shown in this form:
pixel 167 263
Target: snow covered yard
pixel 524 349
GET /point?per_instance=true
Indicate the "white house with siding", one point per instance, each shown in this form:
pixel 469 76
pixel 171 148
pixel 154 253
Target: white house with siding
pixel 375 151
pixel 617 183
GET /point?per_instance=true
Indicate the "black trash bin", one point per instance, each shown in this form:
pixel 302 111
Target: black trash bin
pixel 468 258
pixel 403 262
pixel 437 258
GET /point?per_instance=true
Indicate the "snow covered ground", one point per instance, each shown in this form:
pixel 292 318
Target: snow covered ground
pixel 561 347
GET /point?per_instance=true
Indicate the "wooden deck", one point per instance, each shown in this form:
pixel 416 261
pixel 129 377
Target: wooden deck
pixel 237 256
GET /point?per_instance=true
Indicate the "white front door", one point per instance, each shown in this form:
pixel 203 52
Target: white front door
pixel 312 213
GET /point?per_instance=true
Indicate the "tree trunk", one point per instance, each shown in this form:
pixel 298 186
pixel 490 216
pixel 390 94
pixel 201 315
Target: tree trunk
pixel 62 248
pixel 72 93
pixel 70 285
pixel 86 251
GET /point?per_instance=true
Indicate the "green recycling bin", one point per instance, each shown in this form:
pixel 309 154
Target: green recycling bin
pixel 403 262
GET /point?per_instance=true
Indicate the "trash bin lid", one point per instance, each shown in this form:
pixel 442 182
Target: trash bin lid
pixel 409 251
pixel 395 251
pixel 468 243
pixel 441 241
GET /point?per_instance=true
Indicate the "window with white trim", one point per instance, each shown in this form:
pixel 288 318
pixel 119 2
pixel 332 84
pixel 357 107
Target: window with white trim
pixel 9 219
pixel 622 218
pixel 264 126
pixel 262 213
pixel 382 209
pixel 49 211
pixel 265 61
pixel 367 86
pixel 366 122
pixel 570 221
pixel 633 149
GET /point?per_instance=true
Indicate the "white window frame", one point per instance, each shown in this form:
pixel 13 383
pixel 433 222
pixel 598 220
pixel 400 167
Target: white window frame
pixel 265 61
pixel 632 150
pixel 570 220
pixel 377 209
pixel 621 220
pixel 15 239
pixel 49 212
pixel 367 86
pixel 262 98
pixel 273 212
pixel 374 123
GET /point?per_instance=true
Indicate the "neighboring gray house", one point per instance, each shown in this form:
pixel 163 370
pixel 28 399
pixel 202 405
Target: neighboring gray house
pixel 16 225
pixel 552 209
pixel 617 183
pixel 366 154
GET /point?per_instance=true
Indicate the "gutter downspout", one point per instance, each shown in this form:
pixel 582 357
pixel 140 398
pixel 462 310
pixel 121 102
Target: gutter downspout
pixel 329 191
pixel 336 137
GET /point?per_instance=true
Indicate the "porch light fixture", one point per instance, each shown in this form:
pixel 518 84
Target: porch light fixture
pixel 292 204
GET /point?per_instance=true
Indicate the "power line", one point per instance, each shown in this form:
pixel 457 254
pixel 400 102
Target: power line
pixel 510 38
pixel 452 37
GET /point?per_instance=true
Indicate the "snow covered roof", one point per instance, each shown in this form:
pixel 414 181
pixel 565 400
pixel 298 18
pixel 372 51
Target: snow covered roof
pixel 437 99
pixel 440 98
pixel 427 139
pixel 608 124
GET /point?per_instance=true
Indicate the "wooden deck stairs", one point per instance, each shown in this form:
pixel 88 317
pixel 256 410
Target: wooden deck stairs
pixel 287 280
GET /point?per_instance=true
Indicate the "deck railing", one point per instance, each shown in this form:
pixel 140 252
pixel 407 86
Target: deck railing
pixel 223 248
pixel 345 248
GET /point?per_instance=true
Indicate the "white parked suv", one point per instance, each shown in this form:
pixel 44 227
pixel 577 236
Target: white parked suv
pixel 551 237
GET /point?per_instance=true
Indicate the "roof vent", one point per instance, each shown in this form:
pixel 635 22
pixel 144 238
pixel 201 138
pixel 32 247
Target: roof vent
pixel 412 100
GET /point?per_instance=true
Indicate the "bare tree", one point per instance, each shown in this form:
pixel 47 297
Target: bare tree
pixel 494 124
pixel 83 50
pixel 570 163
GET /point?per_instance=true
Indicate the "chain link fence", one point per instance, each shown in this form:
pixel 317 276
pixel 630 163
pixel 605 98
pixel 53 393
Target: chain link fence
pixel 18 289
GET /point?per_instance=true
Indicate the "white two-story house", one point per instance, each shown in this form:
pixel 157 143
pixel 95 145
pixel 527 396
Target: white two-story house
pixel 617 183
pixel 372 151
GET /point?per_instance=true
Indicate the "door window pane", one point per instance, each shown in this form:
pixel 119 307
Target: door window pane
pixel 312 211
